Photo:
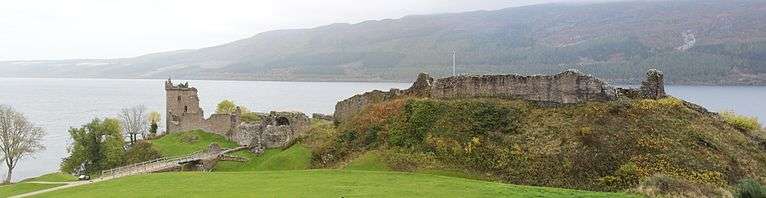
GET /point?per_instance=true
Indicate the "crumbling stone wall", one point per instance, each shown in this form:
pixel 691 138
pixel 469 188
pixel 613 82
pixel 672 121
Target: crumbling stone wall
pixel 346 108
pixel 568 87
pixel 278 129
pixel 654 85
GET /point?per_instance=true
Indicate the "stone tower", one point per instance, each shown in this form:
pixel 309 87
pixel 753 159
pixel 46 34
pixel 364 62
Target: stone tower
pixel 654 86
pixel 182 108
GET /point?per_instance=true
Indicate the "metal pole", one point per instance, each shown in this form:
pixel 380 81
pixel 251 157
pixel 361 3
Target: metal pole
pixel 453 62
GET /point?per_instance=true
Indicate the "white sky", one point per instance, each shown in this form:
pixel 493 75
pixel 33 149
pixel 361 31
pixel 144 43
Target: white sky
pixel 70 29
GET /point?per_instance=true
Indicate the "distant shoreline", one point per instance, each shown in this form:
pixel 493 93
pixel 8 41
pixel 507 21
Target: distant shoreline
pixel 354 80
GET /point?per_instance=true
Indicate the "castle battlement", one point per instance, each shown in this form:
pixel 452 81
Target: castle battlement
pixel 181 86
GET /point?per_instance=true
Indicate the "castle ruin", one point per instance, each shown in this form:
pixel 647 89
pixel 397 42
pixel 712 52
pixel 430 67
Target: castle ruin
pixel 183 112
pixel 568 87
pixel 276 129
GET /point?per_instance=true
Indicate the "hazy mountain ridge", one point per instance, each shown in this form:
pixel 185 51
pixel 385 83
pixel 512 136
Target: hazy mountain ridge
pixel 694 42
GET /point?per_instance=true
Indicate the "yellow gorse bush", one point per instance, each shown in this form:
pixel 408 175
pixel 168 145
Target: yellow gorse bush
pixel 747 123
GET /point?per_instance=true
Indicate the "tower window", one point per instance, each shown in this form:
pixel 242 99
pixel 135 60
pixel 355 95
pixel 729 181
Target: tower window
pixel 179 98
pixel 186 109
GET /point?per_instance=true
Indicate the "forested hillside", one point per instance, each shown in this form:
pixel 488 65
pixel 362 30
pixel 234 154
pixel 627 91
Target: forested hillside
pixel 693 42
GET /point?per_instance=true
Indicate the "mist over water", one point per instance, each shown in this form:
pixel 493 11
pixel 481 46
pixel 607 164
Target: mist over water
pixel 58 104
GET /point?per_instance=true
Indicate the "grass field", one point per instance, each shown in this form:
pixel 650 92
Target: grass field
pixel 21 188
pixel 310 183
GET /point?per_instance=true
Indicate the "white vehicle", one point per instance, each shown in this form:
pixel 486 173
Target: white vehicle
pixel 83 177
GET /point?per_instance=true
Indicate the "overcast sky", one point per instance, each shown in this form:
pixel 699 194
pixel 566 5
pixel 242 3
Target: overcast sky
pixel 71 29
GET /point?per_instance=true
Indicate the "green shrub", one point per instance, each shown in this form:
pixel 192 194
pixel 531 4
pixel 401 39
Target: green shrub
pixel 741 122
pixel 141 151
pixel 96 146
pixel 749 188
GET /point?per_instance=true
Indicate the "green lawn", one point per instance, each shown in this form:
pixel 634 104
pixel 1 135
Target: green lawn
pixel 176 144
pixel 52 177
pixel 21 188
pixel 310 183
pixel 24 187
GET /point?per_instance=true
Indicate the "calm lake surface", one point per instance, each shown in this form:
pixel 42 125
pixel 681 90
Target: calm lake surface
pixel 58 104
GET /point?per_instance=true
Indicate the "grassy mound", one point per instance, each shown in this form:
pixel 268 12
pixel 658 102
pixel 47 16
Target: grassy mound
pixel 310 183
pixel 182 143
pixel 594 146
pixel 52 177
pixel 297 157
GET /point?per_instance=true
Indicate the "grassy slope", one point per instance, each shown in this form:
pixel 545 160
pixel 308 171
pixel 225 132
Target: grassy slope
pixel 297 157
pixel 52 177
pixel 371 161
pixel 573 146
pixel 311 183
pixel 23 187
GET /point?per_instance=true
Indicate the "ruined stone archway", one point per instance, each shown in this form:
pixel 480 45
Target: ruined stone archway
pixel 281 121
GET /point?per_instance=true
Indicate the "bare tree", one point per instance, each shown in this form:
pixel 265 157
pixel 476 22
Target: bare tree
pixel 134 122
pixel 19 138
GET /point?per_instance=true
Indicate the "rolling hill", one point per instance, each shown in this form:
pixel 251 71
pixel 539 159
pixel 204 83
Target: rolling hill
pixel 694 42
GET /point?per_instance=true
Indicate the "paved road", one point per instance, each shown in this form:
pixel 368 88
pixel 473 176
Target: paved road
pixel 68 185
